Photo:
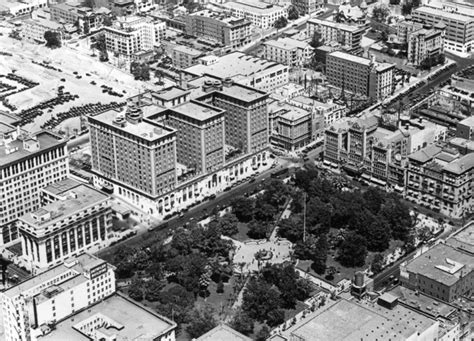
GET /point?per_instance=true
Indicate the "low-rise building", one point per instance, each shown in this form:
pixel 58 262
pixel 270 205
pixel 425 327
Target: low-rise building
pixel 443 272
pixel 18 8
pixel 360 75
pixel 184 57
pixel 218 27
pixel 85 18
pixel 288 51
pixel 261 14
pixel 79 218
pixel 34 29
pixel 223 332
pixel 465 128
pixel 441 179
pixel 423 44
pixel 348 36
pixel 247 70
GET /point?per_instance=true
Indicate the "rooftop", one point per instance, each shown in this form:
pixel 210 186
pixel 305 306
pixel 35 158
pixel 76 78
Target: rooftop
pixel 254 6
pixel 169 93
pixel 288 44
pixel 443 13
pixel 463 240
pixel 469 121
pixel 351 57
pixel 143 129
pixel 235 64
pixel 15 150
pixel 341 26
pixel 198 111
pixel 463 164
pixel 61 186
pixel 125 318
pixel 77 199
pixel 426 154
pixel 287 111
pixel 347 321
pixel 442 263
pixel 223 332
pixel 188 50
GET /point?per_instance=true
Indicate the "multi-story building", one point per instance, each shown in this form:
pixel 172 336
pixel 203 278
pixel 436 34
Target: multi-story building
pixel 360 75
pixel 85 18
pixel 423 44
pixel 246 117
pixel 307 7
pixel 443 272
pixel 134 154
pixel 465 128
pixel 405 28
pixel 347 36
pixel 261 14
pixel 459 34
pixel 24 7
pixel 34 29
pixel 200 135
pixel 77 220
pixel 330 111
pixel 288 51
pixel 27 164
pixel 441 179
pixel 248 70
pixel 219 28
pixel 184 57
pixel 130 36
pixel 75 299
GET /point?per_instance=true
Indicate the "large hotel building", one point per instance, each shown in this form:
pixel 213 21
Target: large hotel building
pixel 27 164
pixel 360 75
pixel 75 218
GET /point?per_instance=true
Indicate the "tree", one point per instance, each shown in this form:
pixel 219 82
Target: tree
pixel 140 71
pixel 276 317
pixel 316 41
pixel 227 224
pixel 331 272
pixel 259 298
pixel 242 207
pixel 380 13
pixel 378 235
pixel 320 254
pixel 291 228
pixel 293 13
pixel 153 289
pixel 263 210
pixel 258 229
pixel 135 289
pixel 353 250
pixel 377 263
pixel 263 333
pixel 53 39
pixel 275 193
pixel 107 21
pixel 220 287
pixel 242 323
pixel 201 321
pixel 281 22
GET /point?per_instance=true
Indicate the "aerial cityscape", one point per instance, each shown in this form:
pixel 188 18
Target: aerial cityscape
pixel 237 170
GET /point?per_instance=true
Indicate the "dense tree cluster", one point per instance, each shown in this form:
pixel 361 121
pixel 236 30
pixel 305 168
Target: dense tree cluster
pixel 53 39
pixel 275 288
pixel 431 61
pixel 281 22
pixel 409 6
pixel 368 221
pixel 293 13
pixel 380 13
pixel 140 71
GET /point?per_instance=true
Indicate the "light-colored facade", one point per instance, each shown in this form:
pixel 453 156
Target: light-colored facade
pixel 261 14
pixel 306 7
pixel 184 57
pixel 200 136
pixel 130 36
pixel 423 44
pixel 18 8
pixel 34 29
pixel 218 27
pixel 459 36
pixel 441 180
pixel 347 36
pixel 288 51
pixel 360 75
pixel 405 28
pixel 79 218
pixel 28 163
pixel 251 71
pixel 86 18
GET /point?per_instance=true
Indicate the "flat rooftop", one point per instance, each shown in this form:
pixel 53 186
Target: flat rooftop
pixel 461 165
pixel 469 121
pixel 349 321
pixel 77 199
pixel 238 91
pixel 236 64
pixel 463 240
pixel 333 24
pixel 17 152
pixel 287 44
pixel 443 14
pixel 350 57
pixel 223 333
pixel 131 320
pixel 170 93
pixel 287 111
pixel 187 50
pixel 254 6
pixel 59 187
pixel 443 264
pixel 143 129
pixel 198 111
pixel 426 154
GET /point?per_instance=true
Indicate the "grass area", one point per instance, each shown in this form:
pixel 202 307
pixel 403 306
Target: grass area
pixel 221 302
pixel 242 236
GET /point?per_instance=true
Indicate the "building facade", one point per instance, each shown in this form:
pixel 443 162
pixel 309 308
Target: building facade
pixel 459 34
pixel 34 29
pixel 288 51
pixel 360 75
pixel 85 18
pixel 27 164
pixel 218 27
pixel 184 57
pixel 307 7
pixel 261 14
pixel 78 219
pixel 423 44
pixel 347 36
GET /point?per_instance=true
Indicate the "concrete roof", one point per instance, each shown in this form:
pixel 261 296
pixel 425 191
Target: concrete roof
pixel 444 14
pixel 333 24
pixel 288 44
pixel 136 321
pixel 426 154
pixel 223 333
pixel 188 50
pixel 61 186
pixel 198 111
pixel 351 57
pixel 437 264
pixel 469 121
pixel 257 7
pixel 463 240
pixel 169 93
pixel 463 164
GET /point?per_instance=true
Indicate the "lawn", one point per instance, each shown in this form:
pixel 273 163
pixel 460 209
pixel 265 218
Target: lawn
pixel 242 236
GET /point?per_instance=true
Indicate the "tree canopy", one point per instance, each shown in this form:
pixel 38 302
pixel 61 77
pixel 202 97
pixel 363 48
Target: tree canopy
pixel 53 39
